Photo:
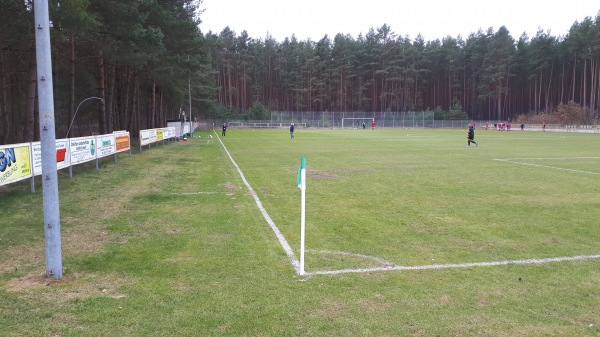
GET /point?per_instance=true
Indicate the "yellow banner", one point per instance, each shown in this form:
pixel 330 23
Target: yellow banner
pixel 15 163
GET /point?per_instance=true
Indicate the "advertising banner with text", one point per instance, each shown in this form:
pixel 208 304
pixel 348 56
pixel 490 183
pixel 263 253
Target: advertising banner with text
pixel 147 136
pixel 63 157
pixel 122 141
pixel 168 132
pixel 83 149
pixel 15 163
pixel 105 145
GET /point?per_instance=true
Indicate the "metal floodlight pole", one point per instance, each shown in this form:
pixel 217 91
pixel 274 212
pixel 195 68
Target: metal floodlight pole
pixel 76 110
pixel 47 140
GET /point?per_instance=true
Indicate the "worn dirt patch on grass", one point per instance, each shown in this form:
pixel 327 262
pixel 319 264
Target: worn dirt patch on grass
pixel 73 286
pixel 231 185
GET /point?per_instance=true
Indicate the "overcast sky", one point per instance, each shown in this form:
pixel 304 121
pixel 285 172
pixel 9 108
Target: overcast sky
pixel 431 18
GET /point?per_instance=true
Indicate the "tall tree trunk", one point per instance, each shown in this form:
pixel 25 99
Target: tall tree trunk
pixel 161 111
pixel 573 81
pixel 101 91
pixel 127 111
pixel 594 83
pixel 71 110
pixel 499 101
pixel 134 116
pixel 584 84
pixel 4 120
pixel 597 91
pixel 109 98
pixel 153 117
pixel 28 132
pixel 548 103
pixel 562 84
pixel 229 86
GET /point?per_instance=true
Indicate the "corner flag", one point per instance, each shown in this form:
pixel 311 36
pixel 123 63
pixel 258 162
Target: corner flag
pixel 300 169
pixel 301 183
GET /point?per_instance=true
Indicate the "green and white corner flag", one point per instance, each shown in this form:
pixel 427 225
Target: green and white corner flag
pixel 301 183
pixel 302 167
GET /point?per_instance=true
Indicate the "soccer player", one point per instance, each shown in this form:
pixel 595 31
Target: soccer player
pixel 373 125
pixel 471 136
pixel 224 129
pixel 292 130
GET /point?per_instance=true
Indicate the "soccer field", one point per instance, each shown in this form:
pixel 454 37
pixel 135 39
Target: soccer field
pixel 408 233
pixel 399 199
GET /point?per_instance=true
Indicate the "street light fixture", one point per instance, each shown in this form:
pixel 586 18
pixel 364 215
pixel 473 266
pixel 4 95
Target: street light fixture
pixel 76 110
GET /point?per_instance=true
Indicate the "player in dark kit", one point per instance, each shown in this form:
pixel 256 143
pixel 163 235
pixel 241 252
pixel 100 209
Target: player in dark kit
pixel 471 136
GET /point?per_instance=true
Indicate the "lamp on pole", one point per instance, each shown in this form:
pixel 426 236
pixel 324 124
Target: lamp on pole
pixel 76 110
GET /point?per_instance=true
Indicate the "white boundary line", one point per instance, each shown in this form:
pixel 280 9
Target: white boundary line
pixel 549 158
pixel 550 167
pixel 296 263
pixel 367 257
pixel 286 246
pixel 458 265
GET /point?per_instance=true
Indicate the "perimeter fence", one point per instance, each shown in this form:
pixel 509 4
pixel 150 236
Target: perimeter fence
pixel 405 120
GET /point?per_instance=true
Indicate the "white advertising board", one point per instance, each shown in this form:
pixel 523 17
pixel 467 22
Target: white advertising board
pixel 169 132
pixel 147 136
pixel 82 149
pixel 106 145
pixel 63 157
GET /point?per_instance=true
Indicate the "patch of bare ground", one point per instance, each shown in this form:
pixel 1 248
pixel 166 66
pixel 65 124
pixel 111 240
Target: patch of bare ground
pixel 74 241
pixel 79 234
pixel 74 286
pixel 231 185
pixel 331 310
pixel 22 257
pixel 377 305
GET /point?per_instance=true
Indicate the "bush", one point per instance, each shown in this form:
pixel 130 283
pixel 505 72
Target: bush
pixel 570 113
pixel 258 112
pixel 455 113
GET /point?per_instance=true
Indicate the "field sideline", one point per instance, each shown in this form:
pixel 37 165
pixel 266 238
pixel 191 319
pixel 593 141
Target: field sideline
pixel 170 242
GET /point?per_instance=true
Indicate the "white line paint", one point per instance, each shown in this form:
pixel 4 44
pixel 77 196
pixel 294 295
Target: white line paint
pixel 458 265
pixel 286 247
pixel 367 257
pixel 538 158
pixel 545 166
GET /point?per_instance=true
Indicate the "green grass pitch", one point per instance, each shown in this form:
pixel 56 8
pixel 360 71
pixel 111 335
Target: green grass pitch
pixel 421 197
pixel 171 242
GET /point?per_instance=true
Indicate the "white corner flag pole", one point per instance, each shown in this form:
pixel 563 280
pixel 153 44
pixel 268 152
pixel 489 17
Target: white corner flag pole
pixel 301 182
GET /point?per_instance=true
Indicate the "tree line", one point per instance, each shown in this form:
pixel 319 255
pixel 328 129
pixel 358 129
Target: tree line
pixel 489 75
pixel 147 62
